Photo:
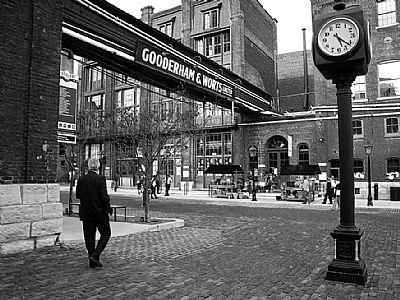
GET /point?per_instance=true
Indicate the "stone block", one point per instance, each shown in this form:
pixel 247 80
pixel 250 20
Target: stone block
pixel 53 193
pixel 20 213
pixel 17 246
pixel 34 193
pixel 46 241
pixel 14 232
pixel 46 227
pixel 52 210
pixel 10 194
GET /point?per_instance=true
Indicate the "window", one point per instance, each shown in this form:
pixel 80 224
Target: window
pixel 166 28
pixel 129 98
pixel 95 102
pixel 212 45
pixel 358 168
pixel 227 41
pixel 211 19
pixel 214 144
pixel 389 79
pixel 217 45
pixel 213 149
pixel 93 150
pixel 357 128
pixel 208 48
pixel 227 144
pixel 304 155
pixel 386 12
pixel 393 165
pixel 94 78
pixel 392 126
pixel 358 88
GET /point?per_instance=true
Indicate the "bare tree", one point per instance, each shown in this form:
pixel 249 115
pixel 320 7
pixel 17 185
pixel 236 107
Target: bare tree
pixel 146 132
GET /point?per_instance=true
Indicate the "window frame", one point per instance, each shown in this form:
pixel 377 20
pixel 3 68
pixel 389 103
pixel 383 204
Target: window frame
pixel 208 19
pixel 359 86
pixel 392 134
pixel 167 28
pixel 386 81
pixel 356 134
pixel 303 154
pixel 386 8
pixel 395 168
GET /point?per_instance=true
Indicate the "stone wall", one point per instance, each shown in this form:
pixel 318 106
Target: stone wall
pixel 30 216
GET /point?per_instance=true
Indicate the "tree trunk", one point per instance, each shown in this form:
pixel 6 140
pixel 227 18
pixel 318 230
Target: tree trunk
pixel 146 199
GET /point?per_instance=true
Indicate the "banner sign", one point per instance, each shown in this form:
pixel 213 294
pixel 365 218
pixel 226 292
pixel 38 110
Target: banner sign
pixel 170 64
pixel 67 107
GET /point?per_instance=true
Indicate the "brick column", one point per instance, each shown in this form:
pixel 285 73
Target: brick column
pixel 30 44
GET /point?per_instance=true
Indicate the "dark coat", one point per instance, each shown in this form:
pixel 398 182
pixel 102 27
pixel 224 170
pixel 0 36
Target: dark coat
pixel 91 190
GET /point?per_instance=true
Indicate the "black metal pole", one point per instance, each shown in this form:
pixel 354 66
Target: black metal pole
pixel 369 203
pixel 347 265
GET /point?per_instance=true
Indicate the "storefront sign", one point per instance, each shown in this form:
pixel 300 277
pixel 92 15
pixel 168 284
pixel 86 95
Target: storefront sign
pixel 67 108
pixel 177 67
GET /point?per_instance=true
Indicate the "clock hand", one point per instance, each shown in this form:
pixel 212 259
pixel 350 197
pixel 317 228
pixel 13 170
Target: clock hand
pixel 339 39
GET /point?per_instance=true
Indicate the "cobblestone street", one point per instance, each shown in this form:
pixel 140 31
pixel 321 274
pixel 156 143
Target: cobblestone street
pixel 223 252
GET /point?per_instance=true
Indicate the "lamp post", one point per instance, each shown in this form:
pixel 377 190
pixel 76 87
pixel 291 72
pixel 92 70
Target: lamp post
pixel 368 151
pixel 253 159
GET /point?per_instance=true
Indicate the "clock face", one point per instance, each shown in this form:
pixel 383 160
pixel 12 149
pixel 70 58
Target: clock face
pixel 338 37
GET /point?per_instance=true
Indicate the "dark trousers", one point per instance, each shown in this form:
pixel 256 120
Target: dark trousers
pixel 167 187
pixel 102 224
pixel 328 196
pixel 153 192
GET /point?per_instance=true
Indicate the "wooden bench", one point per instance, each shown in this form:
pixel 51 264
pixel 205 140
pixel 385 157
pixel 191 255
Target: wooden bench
pixel 113 207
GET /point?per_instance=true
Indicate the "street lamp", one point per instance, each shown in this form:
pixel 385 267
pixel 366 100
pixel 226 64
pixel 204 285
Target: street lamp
pixel 368 151
pixel 253 159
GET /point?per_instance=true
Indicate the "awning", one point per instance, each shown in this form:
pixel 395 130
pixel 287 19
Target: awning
pixel 300 170
pixel 224 169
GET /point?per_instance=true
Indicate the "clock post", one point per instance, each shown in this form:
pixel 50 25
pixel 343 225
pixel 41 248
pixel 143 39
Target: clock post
pixel 341 52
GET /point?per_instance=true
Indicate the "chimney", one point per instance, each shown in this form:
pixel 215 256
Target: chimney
pixel 147 14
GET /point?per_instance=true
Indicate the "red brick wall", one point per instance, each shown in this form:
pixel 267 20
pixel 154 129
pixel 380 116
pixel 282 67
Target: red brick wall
pixel 30 44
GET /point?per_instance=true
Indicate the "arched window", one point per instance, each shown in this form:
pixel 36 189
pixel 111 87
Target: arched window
pixel 277 147
pixel 304 155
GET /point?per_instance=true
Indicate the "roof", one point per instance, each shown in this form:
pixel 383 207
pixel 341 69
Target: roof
pixel 300 170
pixel 224 169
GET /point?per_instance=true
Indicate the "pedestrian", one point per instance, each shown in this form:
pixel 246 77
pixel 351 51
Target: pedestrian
pixel 94 208
pixel 158 183
pixel 139 185
pixel 153 188
pixel 329 192
pixel 168 182
pixel 306 191
pixel 336 205
pixel 116 181
pixel 269 184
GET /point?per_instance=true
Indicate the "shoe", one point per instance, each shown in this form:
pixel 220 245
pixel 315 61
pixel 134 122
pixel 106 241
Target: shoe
pixel 93 261
pixel 323 202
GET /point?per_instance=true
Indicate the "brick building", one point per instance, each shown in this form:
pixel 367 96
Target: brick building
pixel 376 113
pixel 306 132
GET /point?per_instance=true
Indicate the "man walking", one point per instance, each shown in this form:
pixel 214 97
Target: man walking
pixel 306 191
pixel 93 211
pixel 168 182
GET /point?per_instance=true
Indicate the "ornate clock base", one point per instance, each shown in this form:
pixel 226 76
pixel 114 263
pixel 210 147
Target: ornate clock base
pixel 347 266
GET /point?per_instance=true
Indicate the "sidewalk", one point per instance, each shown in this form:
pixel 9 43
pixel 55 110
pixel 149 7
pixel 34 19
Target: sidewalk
pixel 72 227
pixel 263 200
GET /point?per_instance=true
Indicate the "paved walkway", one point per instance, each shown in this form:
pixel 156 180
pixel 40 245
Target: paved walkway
pixel 72 228
pixel 223 252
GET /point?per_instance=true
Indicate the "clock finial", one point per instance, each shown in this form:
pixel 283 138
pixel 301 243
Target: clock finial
pixel 339 5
